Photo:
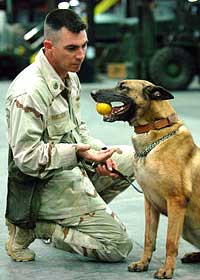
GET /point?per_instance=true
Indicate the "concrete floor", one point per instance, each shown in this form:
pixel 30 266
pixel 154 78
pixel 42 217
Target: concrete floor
pixel 54 264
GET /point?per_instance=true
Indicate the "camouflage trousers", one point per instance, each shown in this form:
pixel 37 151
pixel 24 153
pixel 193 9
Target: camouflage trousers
pixel 98 235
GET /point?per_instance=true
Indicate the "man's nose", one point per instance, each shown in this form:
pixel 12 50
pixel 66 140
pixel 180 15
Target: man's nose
pixel 80 53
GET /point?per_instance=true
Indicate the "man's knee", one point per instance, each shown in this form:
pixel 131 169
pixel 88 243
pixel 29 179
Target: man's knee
pixel 120 250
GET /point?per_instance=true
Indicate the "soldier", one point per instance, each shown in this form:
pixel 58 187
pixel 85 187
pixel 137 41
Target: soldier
pixel 52 190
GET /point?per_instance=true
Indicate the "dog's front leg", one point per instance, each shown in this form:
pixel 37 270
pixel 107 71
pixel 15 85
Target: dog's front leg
pixel 176 207
pixel 151 227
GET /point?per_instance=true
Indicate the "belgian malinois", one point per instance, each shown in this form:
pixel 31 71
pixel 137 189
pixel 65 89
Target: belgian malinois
pixel 166 166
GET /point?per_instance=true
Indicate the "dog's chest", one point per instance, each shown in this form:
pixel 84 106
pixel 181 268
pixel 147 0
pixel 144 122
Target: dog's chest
pixel 144 175
pixel 149 179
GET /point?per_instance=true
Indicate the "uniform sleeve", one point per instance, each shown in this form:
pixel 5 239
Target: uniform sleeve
pixel 84 133
pixel 26 125
pixel 95 143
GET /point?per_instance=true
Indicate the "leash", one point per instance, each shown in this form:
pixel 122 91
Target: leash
pixel 92 165
pixel 122 176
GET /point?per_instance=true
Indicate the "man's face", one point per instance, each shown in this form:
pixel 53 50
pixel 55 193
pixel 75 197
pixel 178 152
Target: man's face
pixel 68 52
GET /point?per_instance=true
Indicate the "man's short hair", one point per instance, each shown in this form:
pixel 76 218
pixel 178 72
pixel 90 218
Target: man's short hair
pixel 58 18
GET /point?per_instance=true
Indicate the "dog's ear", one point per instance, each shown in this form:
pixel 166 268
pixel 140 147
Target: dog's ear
pixel 158 93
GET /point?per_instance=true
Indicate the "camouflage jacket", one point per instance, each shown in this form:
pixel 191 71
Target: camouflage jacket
pixel 40 121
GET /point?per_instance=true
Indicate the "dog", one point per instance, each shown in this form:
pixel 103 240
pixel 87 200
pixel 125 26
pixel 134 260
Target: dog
pixel 166 166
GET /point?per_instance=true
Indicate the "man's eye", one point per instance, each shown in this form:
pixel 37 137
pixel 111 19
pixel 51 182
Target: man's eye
pixel 71 48
pixel 74 48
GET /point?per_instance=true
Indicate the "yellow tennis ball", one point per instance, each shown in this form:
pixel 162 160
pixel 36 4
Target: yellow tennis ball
pixel 103 108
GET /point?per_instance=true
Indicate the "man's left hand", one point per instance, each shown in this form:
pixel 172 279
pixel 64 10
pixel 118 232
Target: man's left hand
pixel 105 169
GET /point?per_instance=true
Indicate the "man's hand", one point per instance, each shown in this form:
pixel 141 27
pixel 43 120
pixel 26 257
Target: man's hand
pixel 105 169
pixel 106 164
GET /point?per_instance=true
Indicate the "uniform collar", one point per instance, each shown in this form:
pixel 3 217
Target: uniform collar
pixel 53 80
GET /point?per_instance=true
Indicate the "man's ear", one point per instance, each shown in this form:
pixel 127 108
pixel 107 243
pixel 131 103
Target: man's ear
pixel 158 93
pixel 47 44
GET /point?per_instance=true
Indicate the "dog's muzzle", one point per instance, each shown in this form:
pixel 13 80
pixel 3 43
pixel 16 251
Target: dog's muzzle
pixel 124 112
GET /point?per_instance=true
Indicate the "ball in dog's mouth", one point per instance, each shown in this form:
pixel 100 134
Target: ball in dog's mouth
pixel 104 108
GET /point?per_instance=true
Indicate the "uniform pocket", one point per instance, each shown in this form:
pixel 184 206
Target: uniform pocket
pixel 60 128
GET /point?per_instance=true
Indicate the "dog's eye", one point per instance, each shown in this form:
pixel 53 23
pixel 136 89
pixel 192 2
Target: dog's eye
pixel 122 86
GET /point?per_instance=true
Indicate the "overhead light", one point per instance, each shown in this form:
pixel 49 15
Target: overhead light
pixel 63 5
pixel 74 3
pixel 30 33
pixel 192 1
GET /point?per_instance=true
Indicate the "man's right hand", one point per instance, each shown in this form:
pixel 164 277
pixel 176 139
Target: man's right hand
pixel 84 151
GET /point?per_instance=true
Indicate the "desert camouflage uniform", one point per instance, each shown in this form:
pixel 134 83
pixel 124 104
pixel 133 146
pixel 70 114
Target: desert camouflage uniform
pixel 43 118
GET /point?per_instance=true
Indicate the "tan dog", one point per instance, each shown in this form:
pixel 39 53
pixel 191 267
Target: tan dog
pixel 167 167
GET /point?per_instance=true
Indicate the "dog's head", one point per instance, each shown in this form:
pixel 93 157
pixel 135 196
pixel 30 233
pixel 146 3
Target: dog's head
pixel 133 98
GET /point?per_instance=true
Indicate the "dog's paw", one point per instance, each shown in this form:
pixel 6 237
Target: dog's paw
pixel 138 266
pixel 164 273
